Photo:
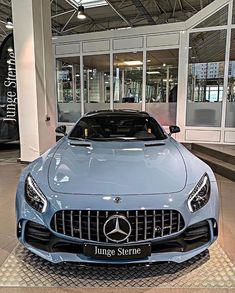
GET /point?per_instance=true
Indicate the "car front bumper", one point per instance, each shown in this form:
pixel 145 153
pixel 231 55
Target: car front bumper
pixel 168 248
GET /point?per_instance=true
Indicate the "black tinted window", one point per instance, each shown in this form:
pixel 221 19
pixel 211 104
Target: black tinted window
pixel 117 127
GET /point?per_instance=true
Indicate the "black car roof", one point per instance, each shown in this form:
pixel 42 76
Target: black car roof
pixel 117 112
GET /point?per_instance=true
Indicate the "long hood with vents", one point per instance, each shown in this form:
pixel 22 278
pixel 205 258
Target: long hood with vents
pixel 117 168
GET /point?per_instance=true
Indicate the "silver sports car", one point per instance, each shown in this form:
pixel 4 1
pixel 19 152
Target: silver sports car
pixel 117 189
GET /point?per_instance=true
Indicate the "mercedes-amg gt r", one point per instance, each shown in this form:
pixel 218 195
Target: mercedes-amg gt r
pixel 117 189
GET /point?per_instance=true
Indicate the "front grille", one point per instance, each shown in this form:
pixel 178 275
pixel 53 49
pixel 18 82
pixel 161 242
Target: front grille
pixel 145 224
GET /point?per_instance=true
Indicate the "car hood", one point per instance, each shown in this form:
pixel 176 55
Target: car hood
pixel 111 168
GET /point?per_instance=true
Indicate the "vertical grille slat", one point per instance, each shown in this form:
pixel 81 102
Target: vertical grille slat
pixel 55 222
pixel 136 226
pixel 127 215
pixel 162 231
pixel 154 223
pixel 170 221
pixel 107 215
pixel 97 226
pixel 80 224
pixel 145 224
pixel 63 222
pixel 178 228
pixel 71 222
pixel 89 224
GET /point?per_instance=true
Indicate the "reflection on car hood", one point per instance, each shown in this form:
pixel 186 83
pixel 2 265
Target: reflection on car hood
pixel 117 168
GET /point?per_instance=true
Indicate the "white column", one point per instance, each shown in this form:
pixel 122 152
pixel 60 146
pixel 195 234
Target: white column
pixel 182 85
pixel 143 105
pixel 111 80
pixel 35 76
pixel 167 83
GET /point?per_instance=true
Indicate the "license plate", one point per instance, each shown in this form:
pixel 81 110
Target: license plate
pixel 115 252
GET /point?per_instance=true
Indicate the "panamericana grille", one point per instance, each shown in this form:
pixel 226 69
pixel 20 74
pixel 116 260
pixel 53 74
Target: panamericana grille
pixel 145 224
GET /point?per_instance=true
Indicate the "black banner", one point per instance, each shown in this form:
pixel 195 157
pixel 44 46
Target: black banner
pixel 8 95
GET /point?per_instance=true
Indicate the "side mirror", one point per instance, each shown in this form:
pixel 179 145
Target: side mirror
pixel 174 129
pixel 61 129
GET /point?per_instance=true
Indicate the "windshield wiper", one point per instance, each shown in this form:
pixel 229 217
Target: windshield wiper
pixel 78 139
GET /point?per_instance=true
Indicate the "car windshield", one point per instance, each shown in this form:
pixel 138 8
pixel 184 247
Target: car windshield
pixel 117 127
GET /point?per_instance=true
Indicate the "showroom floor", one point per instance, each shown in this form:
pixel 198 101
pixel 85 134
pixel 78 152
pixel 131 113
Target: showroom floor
pixel 214 272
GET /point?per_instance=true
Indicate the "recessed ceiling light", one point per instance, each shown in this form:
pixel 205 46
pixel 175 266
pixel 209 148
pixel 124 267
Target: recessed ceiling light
pixel 153 72
pixel 133 63
pixel 165 80
pixel 164 64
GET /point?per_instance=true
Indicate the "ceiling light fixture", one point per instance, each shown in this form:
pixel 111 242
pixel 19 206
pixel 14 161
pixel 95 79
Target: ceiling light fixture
pixel 133 63
pixel 165 79
pixel 153 72
pixel 81 13
pixel 9 24
pixel 10 49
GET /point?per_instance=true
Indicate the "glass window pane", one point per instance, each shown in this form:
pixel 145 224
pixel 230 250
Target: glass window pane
pixel 68 89
pixel 162 84
pixel 233 19
pixel 96 72
pixel 128 78
pixel 218 18
pixel 205 78
pixel 230 107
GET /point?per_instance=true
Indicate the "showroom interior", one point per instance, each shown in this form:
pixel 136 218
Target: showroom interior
pixel 62 59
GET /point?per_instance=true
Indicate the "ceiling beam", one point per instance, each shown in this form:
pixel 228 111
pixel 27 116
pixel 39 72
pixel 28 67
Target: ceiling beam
pixel 119 14
pixel 190 5
pixel 180 4
pixel 63 13
pixel 143 11
pixel 173 14
pixel 5 33
pixel 201 4
pixel 71 4
pixel 68 21
pixel 160 9
pixel 120 6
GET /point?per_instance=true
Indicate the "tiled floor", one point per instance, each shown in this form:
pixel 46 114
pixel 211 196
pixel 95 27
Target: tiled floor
pixel 9 173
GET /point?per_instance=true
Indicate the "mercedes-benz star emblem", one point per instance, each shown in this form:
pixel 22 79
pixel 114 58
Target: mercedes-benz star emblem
pixel 117 228
pixel 117 199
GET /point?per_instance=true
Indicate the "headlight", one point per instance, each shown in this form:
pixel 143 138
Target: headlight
pixel 33 195
pixel 200 195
